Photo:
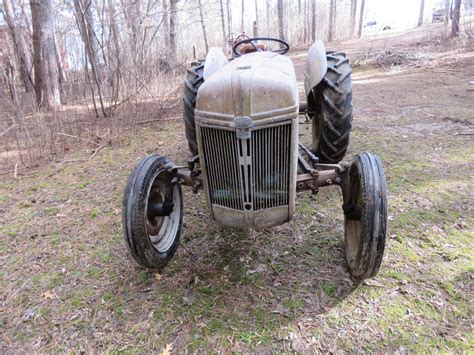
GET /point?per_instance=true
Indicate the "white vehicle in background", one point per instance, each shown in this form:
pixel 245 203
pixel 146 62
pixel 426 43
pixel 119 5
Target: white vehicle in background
pixel 375 26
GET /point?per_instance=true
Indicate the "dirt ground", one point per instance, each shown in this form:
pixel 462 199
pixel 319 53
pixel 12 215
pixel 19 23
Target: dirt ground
pixel 69 285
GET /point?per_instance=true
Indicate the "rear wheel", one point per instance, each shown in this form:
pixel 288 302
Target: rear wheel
pixel 152 213
pixel 365 216
pixel 193 81
pixel 332 102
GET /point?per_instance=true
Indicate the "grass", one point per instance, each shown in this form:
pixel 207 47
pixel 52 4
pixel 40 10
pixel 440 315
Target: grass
pixel 69 285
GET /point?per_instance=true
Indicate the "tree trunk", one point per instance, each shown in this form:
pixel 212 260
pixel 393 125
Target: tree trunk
pixel 256 11
pixel 242 21
pixel 456 17
pixel 203 26
pixel 422 13
pixel 447 7
pixel 166 25
pixel 20 46
pixel 114 58
pixel 281 31
pixel 305 21
pixel 361 18
pixel 45 65
pixel 332 16
pixel 353 17
pixel 229 19
pixel 83 9
pixel 223 22
pixel 173 33
pixel 268 17
pixel 313 21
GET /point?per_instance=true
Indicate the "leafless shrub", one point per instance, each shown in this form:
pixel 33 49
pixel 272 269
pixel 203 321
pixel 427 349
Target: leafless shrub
pixel 388 58
pixel 30 136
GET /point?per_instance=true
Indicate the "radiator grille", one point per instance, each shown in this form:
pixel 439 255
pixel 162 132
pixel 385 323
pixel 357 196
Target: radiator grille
pixel 248 174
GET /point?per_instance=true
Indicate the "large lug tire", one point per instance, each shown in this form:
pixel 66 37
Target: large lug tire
pixel 331 100
pixel 365 224
pixel 193 81
pixel 152 237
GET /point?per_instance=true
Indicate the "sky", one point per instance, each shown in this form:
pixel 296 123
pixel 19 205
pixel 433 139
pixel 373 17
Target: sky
pixel 398 12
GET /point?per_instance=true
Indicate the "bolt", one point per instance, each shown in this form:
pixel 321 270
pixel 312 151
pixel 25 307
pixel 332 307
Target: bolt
pixel 337 180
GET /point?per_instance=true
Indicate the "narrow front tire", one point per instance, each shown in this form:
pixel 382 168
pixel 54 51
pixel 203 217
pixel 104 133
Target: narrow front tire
pixel 365 224
pixel 152 213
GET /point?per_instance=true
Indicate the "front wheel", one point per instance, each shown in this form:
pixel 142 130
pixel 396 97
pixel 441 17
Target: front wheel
pixel 152 213
pixel 365 224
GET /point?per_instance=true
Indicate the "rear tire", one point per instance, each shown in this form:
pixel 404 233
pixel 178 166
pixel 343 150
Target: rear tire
pixel 365 224
pixel 151 239
pixel 332 101
pixel 193 81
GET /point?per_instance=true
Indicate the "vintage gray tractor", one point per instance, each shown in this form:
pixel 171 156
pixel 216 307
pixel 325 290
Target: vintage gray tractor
pixel 241 122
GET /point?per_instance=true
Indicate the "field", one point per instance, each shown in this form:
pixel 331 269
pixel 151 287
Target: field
pixel 69 285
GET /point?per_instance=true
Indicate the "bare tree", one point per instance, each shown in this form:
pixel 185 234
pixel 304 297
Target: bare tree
pixel 203 26
pixel 44 57
pixel 84 18
pixel 456 15
pixel 173 32
pixel 20 46
pixel 223 21
pixel 422 12
pixel 268 17
pixel 256 11
pixel 166 24
pixel 281 27
pixel 114 57
pixel 332 18
pixel 229 19
pixel 361 18
pixel 305 22
pixel 242 19
pixel 353 17
pixel 447 8
pixel 313 21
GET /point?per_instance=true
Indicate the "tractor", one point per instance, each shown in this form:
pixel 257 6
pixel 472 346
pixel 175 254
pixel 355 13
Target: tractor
pixel 241 118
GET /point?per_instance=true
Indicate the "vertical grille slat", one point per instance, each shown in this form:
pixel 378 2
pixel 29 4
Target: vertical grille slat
pixel 248 174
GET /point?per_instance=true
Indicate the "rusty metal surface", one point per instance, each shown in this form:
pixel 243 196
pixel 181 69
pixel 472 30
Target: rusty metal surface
pixel 252 98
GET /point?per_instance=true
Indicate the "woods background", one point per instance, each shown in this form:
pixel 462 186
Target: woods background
pixel 91 68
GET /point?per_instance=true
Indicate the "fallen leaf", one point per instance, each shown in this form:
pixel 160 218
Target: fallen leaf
pixel 157 276
pixel 373 283
pixel 48 295
pixel 188 301
pixel 29 313
pixel 167 350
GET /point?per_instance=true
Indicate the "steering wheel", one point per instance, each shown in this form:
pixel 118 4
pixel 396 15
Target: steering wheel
pixel 285 49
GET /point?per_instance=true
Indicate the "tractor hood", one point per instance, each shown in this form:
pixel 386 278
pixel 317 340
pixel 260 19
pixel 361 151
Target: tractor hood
pixel 257 85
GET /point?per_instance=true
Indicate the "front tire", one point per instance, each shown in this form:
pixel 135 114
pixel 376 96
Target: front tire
pixel 152 237
pixel 331 100
pixel 365 224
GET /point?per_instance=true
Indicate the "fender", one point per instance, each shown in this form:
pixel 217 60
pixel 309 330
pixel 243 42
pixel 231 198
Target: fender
pixel 215 60
pixel 315 67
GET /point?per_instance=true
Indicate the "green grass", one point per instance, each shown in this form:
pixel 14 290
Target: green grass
pixel 233 290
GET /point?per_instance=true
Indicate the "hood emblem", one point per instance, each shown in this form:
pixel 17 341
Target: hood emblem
pixel 243 126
